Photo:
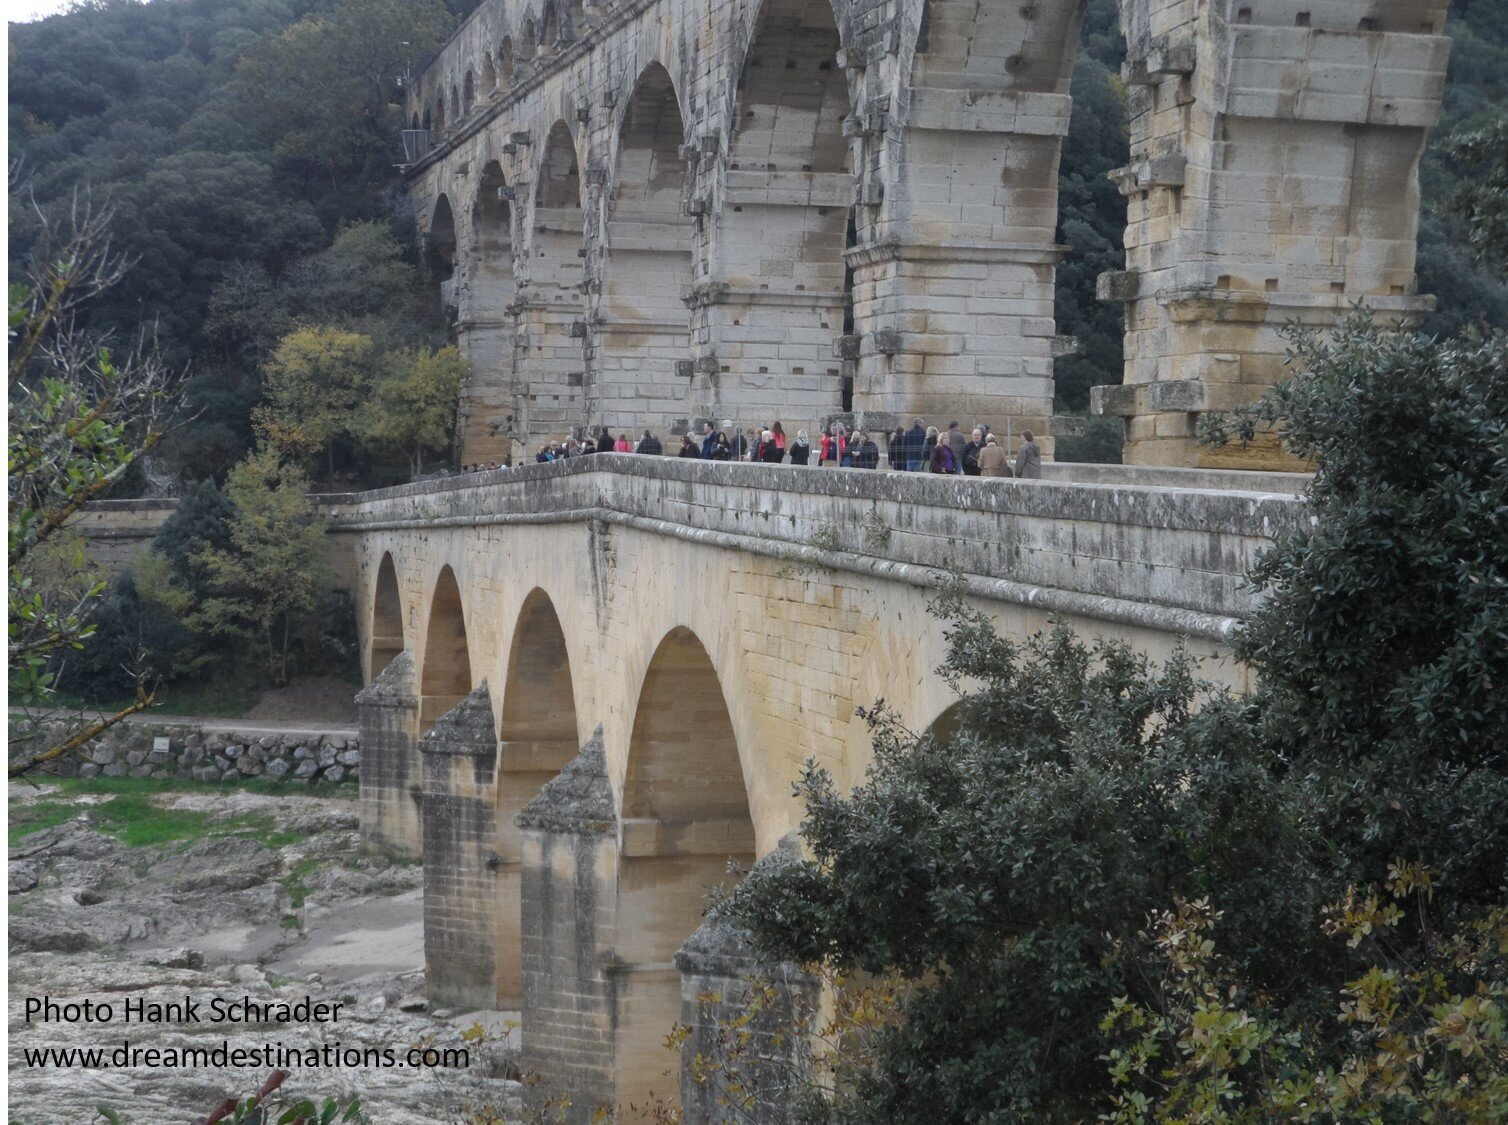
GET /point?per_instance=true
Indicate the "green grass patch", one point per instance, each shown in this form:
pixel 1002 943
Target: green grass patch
pixel 298 889
pixel 134 818
pixel 33 816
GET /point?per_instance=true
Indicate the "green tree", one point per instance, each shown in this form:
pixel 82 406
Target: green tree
pixel 414 407
pixel 1008 870
pixel 1482 201
pixel 323 92
pixel 315 381
pixel 272 576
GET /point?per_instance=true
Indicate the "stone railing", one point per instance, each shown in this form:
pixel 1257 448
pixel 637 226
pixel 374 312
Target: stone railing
pixel 1171 555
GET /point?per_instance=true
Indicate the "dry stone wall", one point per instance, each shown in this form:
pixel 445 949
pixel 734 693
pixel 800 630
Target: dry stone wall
pixel 164 750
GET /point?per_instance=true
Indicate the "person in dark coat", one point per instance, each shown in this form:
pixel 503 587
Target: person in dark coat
pixel 605 442
pixel 896 449
pixel 650 444
pixel 770 450
pixel 721 451
pixel 689 448
pixel 801 449
pixel 709 438
pixel 916 446
pixel 970 460
pixel 957 441
pixel 867 455
pixel 1028 458
pixel 942 457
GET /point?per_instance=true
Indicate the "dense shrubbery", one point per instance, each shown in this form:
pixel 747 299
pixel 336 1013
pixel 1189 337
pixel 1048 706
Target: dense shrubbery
pixel 1294 896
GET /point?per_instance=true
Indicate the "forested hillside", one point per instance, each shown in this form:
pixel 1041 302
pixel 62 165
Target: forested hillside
pixel 236 140
pixel 247 149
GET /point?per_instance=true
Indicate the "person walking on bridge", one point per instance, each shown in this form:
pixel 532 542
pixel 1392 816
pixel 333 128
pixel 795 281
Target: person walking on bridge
pixel 1028 458
pixel 915 447
pixel 709 439
pixel 650 444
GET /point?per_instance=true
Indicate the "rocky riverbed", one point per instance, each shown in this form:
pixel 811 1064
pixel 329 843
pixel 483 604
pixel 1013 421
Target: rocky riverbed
pixel 134 898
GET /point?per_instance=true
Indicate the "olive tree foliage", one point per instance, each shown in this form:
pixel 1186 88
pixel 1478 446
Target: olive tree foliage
pixel 81 414
pixel 1116 890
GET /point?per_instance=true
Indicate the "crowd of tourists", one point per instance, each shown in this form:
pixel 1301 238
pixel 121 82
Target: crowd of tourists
pixel 920 449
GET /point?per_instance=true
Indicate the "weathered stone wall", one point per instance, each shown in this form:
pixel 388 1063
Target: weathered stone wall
pixel 661 211
pixel 392 782
pixel 459 759
pixel 116 529
pixel 202 753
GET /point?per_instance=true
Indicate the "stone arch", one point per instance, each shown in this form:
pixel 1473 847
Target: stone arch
pixel 455 105
pixel 440 118
pixel 385 636
pixel 553 360
pixel 492 246
pixel 489 76
pixel 446 676
pixel 428 121
pixel 413 120
pixel 486 330
pixel 537 737
pixel 468 92
pixel 685 814
pixel 651 244
pixel 779 239
pixel 549 32
pixel 442 238
pixel 505 64
pixel 539 699
pixel 528 39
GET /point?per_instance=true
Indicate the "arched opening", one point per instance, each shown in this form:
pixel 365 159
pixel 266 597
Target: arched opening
pixel 992 185
pixel 446 679
pixel 539 703
pixel 468 92
pixel 385 639
pixel 505 65
pixel 485 330
pixel 651 243
pixel 413 120
pixel 492 222
pixel 685 815
pixel 429 120
pixel 554 361
pixel 455 105
pixel 781 237
pixel 440 117
pixel 538 736
pixel 442 240
pixel 549 36
pixel 528 39
pixel 489 76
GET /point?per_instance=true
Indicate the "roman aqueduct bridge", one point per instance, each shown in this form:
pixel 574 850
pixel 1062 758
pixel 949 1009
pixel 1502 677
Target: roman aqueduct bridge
pixel 592 683
pixel 651 212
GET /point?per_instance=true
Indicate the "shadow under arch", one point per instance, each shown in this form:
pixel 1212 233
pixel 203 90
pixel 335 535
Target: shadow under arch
pixel 537 736
pixel 385 639
pixel 685 815
pixel 783 222
pixel 446 676
pixel 646 326
pixel 442 238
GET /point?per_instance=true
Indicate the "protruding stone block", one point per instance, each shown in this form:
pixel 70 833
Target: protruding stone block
pixel 391 774
pixel 459 760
